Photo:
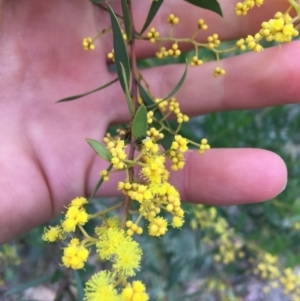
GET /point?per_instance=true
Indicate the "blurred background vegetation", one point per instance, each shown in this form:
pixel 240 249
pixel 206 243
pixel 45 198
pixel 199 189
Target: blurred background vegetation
pixel 248 252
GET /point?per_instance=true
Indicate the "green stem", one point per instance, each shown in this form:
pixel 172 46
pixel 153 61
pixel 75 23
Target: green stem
pixel 101 213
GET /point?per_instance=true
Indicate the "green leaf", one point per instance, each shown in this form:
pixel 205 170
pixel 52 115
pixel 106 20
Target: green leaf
pixel 127 93
pixel 87 93
pixel 151 14
pixel 100 149
pixel 120 49
pixel 139 124
pixel 127 20
pixel 22 287
pixel 79 286
pixel 179 84
pixel 212 5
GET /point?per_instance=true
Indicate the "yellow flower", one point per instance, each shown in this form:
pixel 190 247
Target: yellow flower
pixel 74 216
pixel 177 222
pixel 155 170
pixel 75 255
pixel 135 292
pixel 180 143
pixel 158 226
pixel 121 249
pixel 127 258
pixel 79 202
pixel 100 288
pixel 111 222
pixel 52 234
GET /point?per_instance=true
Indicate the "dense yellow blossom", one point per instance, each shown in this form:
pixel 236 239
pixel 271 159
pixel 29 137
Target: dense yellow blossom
pixel 122 250
pixel 111 222
pixel 53 234
pixel 158 226
pixel 73 217
pixel 75 255
pixel 135 292
pixel 101 287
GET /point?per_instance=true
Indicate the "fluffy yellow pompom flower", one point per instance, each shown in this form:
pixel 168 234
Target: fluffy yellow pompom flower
pixel 74 216
pixel 177 222
pixel 135 292
pixel 79 202
pixel 121 249
pixel 75 255
pixel 52 234
pixel 127 258
pixel 100 287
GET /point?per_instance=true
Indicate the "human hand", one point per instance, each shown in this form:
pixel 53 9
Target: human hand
pixel 44 160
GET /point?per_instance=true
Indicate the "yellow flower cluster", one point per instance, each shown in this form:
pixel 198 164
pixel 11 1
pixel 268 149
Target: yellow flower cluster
pixel 213 41
pixel 75 215
pixel 242 8
pixel 229 246
pixel 162 53
pixel 75 255
pixel 253 42
pixel 202 25
pixel 174 50
pixel 291 283
pixel 125 254
pixel 172 19
pixel 204 146
pixel 116 148
pixel 158 226
pixel 267 267
pixel 150 115
pixel 156 193
pixel 53 234
pixel 101 287
pixel 219 71
pixel 175 108
pixel 135 292
pixel 152 34
pixel 154 134
pixel 196 61
pixel 133 228
pixel 104 174
pixel 241 44
pixel 154 169
pixel 162 104
pixel 87 44
pixel 178 148
pixel 228 250
pixel 111 222
pixel 279 29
